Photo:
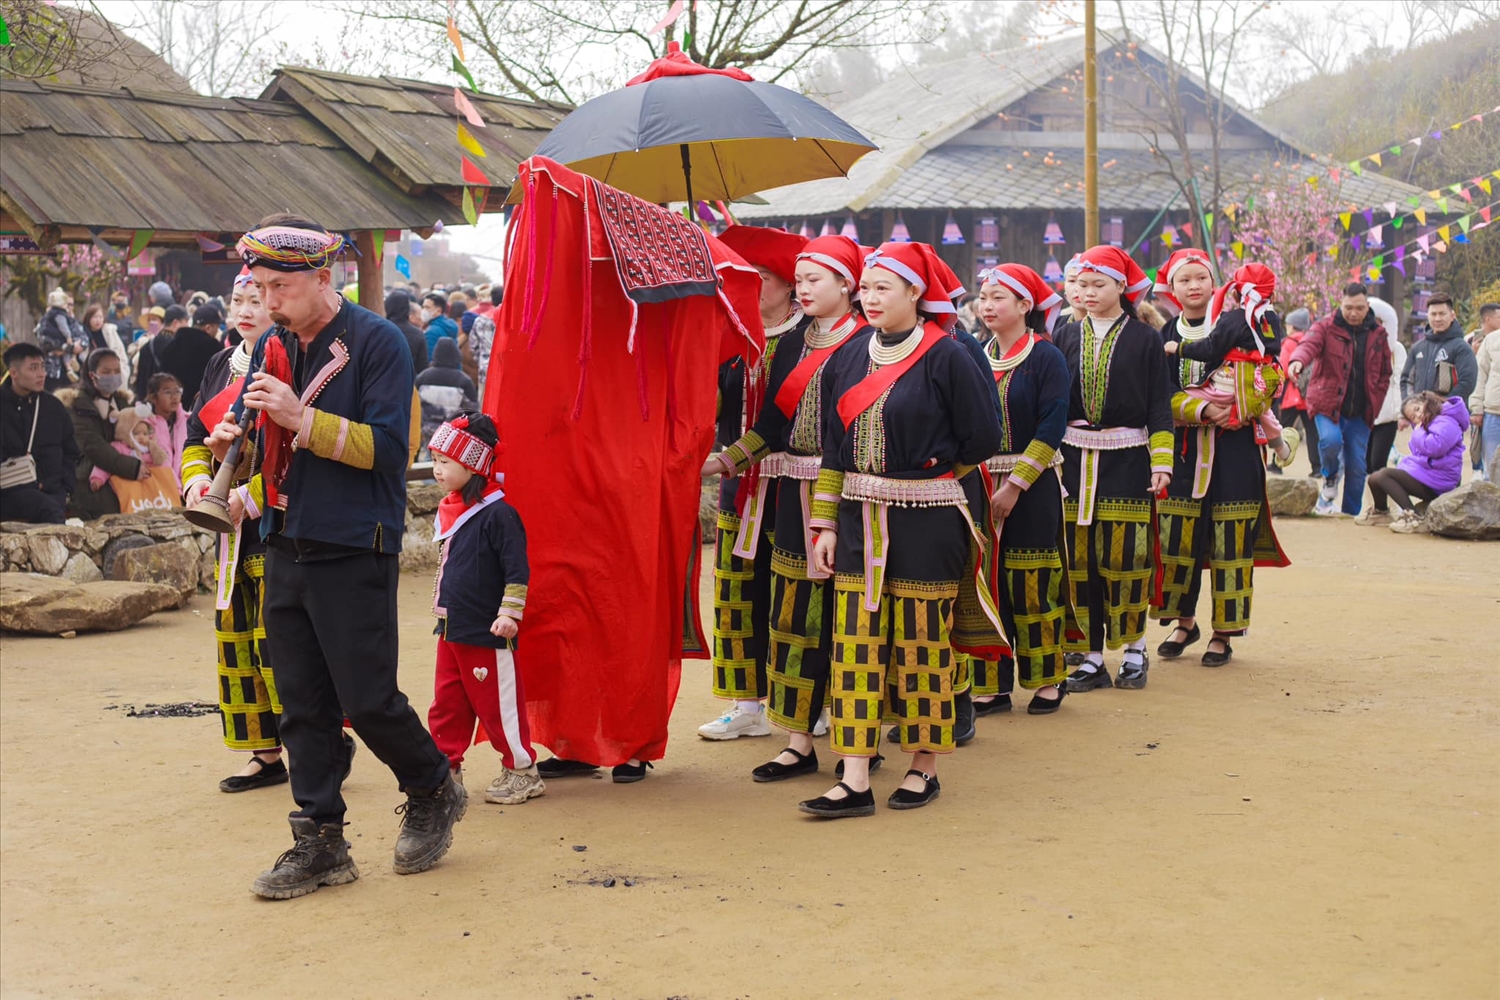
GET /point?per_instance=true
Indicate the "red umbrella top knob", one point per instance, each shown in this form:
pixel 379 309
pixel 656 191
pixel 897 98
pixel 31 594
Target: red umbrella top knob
pixel 678 63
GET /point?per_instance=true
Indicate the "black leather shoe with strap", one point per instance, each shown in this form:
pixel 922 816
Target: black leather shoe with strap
pixel 1172 649
pixel 852 804
pixel 904 799
pixel 775 770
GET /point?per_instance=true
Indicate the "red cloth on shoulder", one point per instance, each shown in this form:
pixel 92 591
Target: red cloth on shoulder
pixel 602 449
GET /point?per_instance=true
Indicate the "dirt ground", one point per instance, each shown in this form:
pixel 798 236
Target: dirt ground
pixel 1318 819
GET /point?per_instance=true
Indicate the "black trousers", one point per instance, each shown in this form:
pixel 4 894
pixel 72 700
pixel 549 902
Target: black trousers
pixel 1391 483
pixel 28 503
pixel 331 630
pixel 1378 452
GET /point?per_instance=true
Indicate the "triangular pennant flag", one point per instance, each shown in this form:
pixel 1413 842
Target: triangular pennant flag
pixel 1375 159
pixel 1398 220
pixel 466 109
pixel 1433 194
pixel 1151 273
pixel 378 238
pixel 1375 232
pixel 1233 211
pixel 1369 215
pixel 470 216
pixel 207 245
pixel 1395 150
pixel 1209 219
pixel 463 71
pixel 1460 238
pixel 472 174
pixel 1455 188
pixel 1424 241
pixel 1313 181
pixel 1466 195
pixel 1414 201
pixel 1358 170
pixel 1379 262
pixel 1333 252
pixel 1443 232
pixel 1420 256
pixel 1440 246
pixel 1442 204
pixel 1421 215
pixel 1484 213
pixel 1187 229
pixel 403 267
pixel 1484 185
pixel 1239 249
pixel 467 141
pixel 1354 241
pixel 1335 175
pixel 1390 209
pixel 1464 222
pixel 1250 201
pixel 1346 218
pixel 456 39
pixel 143 236
pixel 1374 273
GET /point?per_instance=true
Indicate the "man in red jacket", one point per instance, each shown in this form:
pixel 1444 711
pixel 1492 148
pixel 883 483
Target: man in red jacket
pixel 1353 372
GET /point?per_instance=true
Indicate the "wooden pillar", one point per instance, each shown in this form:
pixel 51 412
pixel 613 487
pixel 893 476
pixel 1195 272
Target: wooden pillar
pixel 371 284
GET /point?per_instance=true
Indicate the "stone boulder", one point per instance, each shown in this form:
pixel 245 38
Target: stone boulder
pixel 1471 511
pixel 422 499
pixel 1292 496
pixel 418 550
pixel 118 544
pixel 45 605
pixel 81 569
pixel 172 563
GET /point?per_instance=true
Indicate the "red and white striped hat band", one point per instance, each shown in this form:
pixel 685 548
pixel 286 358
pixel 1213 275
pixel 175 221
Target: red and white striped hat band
pixel 1028 286
pixel 463 447
pixel 904 260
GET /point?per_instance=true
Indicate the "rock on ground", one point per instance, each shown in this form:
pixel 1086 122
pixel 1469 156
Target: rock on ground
pixel 81 569
pixel 172 563
pixel 1292 496
pixel 422 499
pixel 1471 511
pixel 119 544
pixel 46 605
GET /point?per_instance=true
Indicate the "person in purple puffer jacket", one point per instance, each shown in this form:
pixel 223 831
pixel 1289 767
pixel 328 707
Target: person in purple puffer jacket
pixel 1435 464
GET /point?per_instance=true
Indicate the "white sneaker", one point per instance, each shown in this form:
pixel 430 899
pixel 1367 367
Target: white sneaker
pixel 820 728
pixel 1370 517
pixel 1408 522
pixel 736 723
pixel 514 787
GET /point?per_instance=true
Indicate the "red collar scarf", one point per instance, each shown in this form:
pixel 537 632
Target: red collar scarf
pixel 453 511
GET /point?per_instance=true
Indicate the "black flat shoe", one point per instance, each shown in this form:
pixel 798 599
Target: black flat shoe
pixel 994 706
pixel 561 767
pixel 963 719
pixel 875 762
pixel 774 770
pixel 1212 659
pixel 903 799
pixel 893 735
pixel 1170 650
pixel 1046 706
pixel 1133 678
pixel 852 804
pixel 1082 680
pixel 625 774
pixel 268 775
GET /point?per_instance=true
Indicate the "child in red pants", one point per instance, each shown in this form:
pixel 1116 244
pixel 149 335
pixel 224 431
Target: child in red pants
pixel 479 599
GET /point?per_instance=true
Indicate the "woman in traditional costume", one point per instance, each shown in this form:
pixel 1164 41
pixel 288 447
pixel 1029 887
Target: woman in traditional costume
pixel 1117 456
pixel 786 447
pixel 907 421
pixel 1215 515
pixel 747 506
pixel 1031 376
pixel 247 690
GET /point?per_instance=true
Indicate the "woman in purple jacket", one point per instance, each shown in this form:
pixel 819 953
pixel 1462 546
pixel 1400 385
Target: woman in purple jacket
pixel 1436 460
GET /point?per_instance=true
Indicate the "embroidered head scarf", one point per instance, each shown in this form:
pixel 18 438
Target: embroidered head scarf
pixel 1112 262
pixel 919 265
pixel 453 440
pixel 1175 263
pixel 840 255
pixel 290 248
pixel 1029 286
pixel 1256 284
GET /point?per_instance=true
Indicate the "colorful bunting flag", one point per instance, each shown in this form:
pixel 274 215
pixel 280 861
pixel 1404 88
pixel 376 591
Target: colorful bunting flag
pixel 378 239
pixel 1239 249
pixel 1443 232
pixel 403 267
pixel 1375 159
pixel 1464 222
pixel 467 109
pixel 1346 218
pixel 1421 215
pixel 1484 213
pixel 463 71
pixel 471 173
pixel 457 40
pixel 467 141
pixel 143 236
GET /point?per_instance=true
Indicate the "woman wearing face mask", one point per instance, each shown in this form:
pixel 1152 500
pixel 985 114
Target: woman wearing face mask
pixel 787 445
pixel 104 334
pixel 95 407
pixel 908 416
pixel 1117 456
pixel 1019 310
pixel 247 691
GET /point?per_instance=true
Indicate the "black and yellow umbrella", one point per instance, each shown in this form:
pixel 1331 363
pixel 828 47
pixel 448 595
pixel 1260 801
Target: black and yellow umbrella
pixel 681 131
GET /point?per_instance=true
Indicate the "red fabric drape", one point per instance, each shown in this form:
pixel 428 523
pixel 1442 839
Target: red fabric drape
pixel 601 452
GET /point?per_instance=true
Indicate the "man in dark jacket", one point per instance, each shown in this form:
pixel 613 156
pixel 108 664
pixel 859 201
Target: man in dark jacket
pixel 444 388
pixel 188 353
pixel 398 311
pixel 148 359
pixel 35 421
pixel 1442 362
pixel 1353 356
pixel 333 536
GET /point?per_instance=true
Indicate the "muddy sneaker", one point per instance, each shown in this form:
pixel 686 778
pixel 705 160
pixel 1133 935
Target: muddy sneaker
pixel 1408 522
pixel 319 857
pixel 427 826
pixel 514 787
pixel 1371 517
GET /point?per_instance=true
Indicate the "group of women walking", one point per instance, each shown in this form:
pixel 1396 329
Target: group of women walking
pixel 936 528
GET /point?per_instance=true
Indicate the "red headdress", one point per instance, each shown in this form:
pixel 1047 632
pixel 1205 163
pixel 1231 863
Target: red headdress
pixel 1256 284
pixel 775 250
pixel 1112 262
pixel 839 254
pixel 1175 263
pixel 243 278
pixel 454 440
pixel 918 264
pixel 1027 284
